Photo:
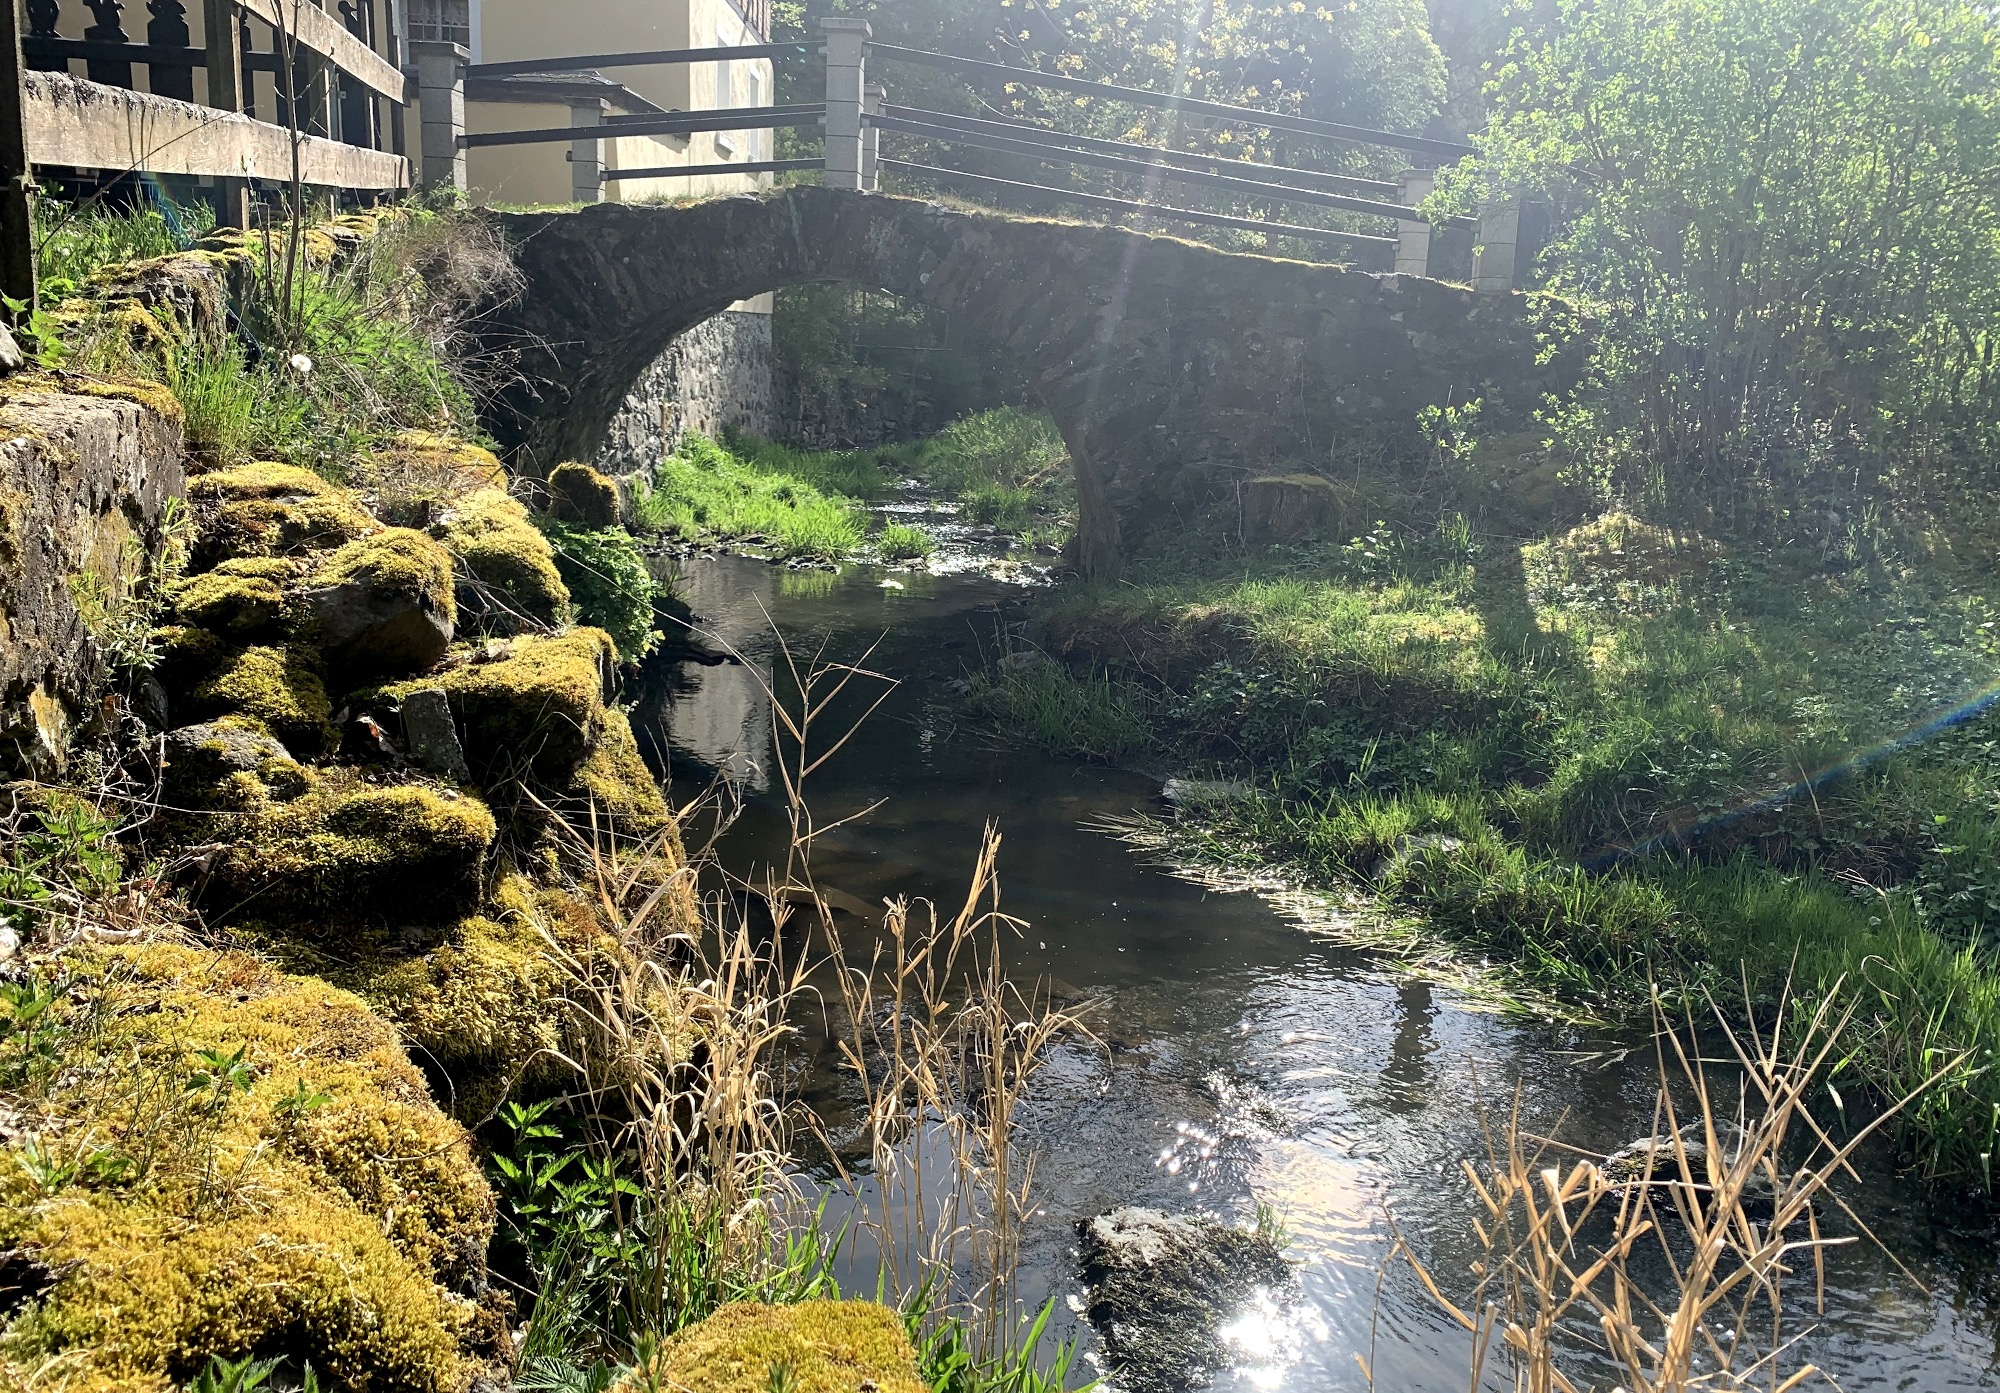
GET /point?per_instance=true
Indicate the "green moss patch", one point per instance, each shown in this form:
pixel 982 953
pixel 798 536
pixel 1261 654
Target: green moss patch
pixel 531 707
pixel 507 570
pixel 268 509
pixel 614 790
pixel 277 687
pixel 259 1168
pixel 242 599
pixel 581 496
pixel 348 852
pixel 810 1347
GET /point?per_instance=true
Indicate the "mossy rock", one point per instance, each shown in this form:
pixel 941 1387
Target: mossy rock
pixel 347 852
pixel 487 1009
pixel 321 1206
pixel 826 1347
pixel 529 708
pixel 422 475
pixel 242 599
pixel 151 395
pixel 507 571
pixel 384 605
pixel 280 688
pixel 231 765
pixel 583 497
pixel 271 509
pixel 187 657
pixel 613 789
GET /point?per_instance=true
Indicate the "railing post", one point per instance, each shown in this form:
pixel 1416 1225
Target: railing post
pixel 872 95
pixel 586 157
pixel 17 183
pixel 846 43
pixel 223 21
pixel 1413 239
pixel 168 28
pixel 1499 245
pixel 441 109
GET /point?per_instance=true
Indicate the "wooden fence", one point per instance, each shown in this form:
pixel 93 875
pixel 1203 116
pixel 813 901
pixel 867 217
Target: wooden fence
pixel 337 84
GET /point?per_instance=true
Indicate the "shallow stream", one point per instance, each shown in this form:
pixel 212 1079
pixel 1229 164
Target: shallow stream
pixel 1247 1060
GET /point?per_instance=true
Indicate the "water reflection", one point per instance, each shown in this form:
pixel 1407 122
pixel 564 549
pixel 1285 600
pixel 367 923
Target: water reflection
pixel 1244 1062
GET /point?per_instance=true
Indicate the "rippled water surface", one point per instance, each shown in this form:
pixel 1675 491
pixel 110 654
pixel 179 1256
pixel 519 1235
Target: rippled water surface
pixel 1246 1061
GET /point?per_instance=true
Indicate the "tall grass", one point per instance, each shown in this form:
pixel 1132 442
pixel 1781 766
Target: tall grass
pixel 1683 1263
pixel 662 1185
pixel 73 241
pixel 706 492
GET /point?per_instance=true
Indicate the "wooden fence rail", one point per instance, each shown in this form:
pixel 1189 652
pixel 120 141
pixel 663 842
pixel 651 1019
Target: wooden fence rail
pixel 341 84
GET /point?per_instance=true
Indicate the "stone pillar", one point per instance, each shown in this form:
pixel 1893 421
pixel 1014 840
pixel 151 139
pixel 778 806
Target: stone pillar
pixel 846 43
pixel 441 104
pixel 872 96
pixel 1499 246
pixel 586 157
pixel 1413 239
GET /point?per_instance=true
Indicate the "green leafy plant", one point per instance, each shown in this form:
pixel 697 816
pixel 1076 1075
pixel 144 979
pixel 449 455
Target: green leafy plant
pixel 608 581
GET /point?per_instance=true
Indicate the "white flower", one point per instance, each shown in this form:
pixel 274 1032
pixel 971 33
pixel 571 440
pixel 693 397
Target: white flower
pixel 301 364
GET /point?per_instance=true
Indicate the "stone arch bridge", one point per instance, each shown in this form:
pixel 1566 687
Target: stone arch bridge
pixel 1172 369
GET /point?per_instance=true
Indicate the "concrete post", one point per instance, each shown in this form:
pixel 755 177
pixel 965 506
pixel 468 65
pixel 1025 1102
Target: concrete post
pixel 1499 246
pixel 1413 239
pixel 441 106
pixel 872 96
pixel 846 43
pixel 586 157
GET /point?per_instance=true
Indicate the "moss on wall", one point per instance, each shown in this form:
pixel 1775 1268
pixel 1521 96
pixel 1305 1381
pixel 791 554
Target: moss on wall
pixel 824 1347
pixel 507 569
pixel 269 509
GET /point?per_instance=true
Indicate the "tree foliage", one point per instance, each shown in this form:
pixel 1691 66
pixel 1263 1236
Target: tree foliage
pixel 1788 212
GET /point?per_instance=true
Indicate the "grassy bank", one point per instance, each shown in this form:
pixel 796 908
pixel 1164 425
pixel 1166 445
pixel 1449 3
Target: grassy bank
pixel 1617 752
pixel 1003 468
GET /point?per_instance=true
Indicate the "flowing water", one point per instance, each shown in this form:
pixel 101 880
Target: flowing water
pixel 1246 1061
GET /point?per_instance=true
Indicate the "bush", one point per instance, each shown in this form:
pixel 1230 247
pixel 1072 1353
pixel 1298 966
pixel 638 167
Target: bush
pixel 608 582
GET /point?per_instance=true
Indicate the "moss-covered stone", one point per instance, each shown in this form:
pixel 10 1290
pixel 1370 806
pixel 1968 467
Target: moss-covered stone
pixel 242 599
pixel 317 1205
pixel 580 495
pixel 531 707
pixel 187 657
pixel 614 790
pixel 507 570
pixel 823 1347
pixel 487 1008
pixel 269 509
pixel 277 687
pixel 384 604
pixel 231 765
pixel 346 852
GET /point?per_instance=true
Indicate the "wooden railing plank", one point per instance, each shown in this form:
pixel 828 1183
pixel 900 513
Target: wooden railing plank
pixel 314 29
pixel 71 121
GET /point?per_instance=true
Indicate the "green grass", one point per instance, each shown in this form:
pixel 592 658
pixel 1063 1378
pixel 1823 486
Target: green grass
pixel 709 492
pixel 1006 468
pixel 1651 757
pixel 901 542
pixel 75 240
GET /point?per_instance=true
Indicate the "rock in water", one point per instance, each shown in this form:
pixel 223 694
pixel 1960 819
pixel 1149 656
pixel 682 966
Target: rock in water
pixel 1162 1287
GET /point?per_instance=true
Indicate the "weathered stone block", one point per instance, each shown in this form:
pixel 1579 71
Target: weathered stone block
pixel 84 485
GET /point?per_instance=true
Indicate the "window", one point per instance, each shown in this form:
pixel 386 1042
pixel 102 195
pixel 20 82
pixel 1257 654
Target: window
pixel 725 94
pixel 450 20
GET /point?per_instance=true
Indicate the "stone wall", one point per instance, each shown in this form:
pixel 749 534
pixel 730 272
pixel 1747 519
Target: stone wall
pixel 84 486
pixel 718 373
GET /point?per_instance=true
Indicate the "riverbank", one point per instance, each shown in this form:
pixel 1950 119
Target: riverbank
pixel 1621 753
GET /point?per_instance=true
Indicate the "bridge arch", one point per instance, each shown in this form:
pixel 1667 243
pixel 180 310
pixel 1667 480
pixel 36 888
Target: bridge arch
pixel 1171 368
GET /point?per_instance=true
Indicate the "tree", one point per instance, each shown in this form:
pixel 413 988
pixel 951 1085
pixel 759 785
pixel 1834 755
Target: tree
pixel 1787 213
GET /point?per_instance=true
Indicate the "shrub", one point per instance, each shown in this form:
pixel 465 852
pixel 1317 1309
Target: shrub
pixel 608 581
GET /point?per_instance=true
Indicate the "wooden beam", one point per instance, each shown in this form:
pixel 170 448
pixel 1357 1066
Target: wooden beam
pixel 312 29
pixel 88 125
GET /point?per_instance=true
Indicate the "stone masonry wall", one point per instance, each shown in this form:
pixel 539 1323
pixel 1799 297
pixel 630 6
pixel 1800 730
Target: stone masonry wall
pixel 719 373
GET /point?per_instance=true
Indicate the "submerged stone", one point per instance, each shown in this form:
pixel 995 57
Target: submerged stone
pixel 1162 1287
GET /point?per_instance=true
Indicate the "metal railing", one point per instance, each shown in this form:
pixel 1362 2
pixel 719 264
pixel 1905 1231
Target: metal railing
pixel 855 114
